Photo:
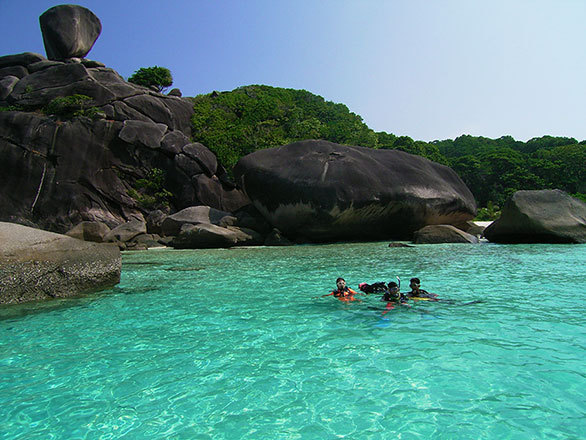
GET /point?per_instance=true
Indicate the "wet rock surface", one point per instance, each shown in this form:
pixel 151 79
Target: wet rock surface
pixel 39 265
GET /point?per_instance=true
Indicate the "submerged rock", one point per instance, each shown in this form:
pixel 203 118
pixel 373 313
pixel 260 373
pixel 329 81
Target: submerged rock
pixel 324 191
pixel 544 216
pixel 39 265
pixel 395 244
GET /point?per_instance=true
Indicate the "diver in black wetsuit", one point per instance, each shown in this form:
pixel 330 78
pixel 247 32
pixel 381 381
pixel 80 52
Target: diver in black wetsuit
pixel 393 294
pixel 417 292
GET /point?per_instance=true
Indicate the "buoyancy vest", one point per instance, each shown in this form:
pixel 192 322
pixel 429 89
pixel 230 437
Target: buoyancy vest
pixel 344 295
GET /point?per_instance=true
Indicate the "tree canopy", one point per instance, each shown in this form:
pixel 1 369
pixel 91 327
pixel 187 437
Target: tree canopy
pixel 160 77
pixel 233 124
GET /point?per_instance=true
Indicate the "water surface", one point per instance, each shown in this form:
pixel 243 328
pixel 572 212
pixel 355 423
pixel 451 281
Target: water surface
pixel 227 344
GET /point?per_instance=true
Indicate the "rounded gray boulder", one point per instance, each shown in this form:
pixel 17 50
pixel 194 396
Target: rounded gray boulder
pixel 540 216
pixel 69 31
pixel 434 234
pixel 321 191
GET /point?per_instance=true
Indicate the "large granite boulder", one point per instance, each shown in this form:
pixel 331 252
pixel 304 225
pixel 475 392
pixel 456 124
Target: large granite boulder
pixel 545 216
pixel 38 265
pixel 321 191
pixel 434 234
pixel 69 31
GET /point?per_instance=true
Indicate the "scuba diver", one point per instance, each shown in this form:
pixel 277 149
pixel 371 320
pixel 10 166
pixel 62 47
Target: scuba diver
pixel 394 296
pixel 343 292
pixel 417 292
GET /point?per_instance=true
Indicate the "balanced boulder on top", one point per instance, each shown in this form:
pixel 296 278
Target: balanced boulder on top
pixel 69 31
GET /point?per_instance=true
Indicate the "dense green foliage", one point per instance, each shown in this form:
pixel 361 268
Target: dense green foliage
pixel 233 124
pixel 67 107
pixel 160 77
pixel 493 169
pixel 10 108
pixel 150 192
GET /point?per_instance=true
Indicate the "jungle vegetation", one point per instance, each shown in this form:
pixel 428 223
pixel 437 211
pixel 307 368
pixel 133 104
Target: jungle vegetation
pixel 233 124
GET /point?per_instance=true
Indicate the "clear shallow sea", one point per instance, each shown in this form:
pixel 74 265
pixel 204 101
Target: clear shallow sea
pixel 229 344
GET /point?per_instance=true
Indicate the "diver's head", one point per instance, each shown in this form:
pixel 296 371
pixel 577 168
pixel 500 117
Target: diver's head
pixel 341 283
pixel 414 283
pixel 393 288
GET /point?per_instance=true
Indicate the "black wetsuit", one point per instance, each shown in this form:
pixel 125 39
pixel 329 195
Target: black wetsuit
pixel 373 288
pixel 394 297
pixel 422 294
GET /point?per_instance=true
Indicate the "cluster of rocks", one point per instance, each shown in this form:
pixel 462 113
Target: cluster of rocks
pixel 529 216
pixel 86 169
pixel 196 227
pixel 82 175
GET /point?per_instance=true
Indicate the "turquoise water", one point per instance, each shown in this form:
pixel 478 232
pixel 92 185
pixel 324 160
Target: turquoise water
pixel 229 344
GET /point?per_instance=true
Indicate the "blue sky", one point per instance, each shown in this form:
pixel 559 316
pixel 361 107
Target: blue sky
pixel 432 69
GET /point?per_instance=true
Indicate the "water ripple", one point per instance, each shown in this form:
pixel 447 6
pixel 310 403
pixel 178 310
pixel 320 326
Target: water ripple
pixel 230 344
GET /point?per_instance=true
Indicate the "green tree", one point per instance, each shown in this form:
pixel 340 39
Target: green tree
pixel 233 124
pixel 569 166
pixel 160 77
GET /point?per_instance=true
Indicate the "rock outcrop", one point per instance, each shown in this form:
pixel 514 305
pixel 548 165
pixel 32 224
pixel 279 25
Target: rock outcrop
pixel 321 191
pixel 38 265
pixel 62 171
pixel 545 216
pixel 77 139
pixel 69 31
pixel 434 234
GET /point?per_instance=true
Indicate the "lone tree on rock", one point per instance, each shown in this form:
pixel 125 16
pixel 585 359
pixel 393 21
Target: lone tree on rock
pixel 160 77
